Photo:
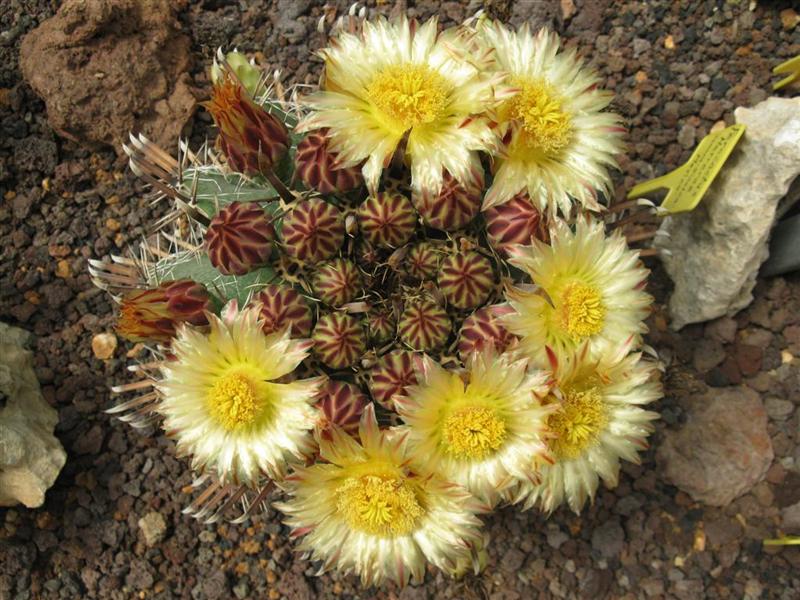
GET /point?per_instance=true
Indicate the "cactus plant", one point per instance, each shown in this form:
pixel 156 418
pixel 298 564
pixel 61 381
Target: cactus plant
pixel 282 270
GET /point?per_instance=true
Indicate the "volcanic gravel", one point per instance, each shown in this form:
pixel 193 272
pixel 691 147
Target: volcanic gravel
pixel 677 68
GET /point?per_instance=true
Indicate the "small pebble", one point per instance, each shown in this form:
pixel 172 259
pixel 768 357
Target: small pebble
pixel 153 527
pixel 104 345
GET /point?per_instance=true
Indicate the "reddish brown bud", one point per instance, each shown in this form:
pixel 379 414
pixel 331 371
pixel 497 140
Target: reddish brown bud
pixel 514 222
pixel 316 166
pixel 455 205
pixel 152 315
pixel 482 328
pixel 341 404
pixel 239 238
pixel 391 376
pixel 252 139
pixel 282 306
pixel 313 231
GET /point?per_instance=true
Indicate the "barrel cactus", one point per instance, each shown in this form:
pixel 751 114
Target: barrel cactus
pixel 398 303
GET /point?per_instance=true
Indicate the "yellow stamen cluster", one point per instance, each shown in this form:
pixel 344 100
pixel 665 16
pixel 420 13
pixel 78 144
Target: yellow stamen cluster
pixel 546 128
pixel 473 432
pixel 409 94
pixel 581 311
pixel 581 418
pixel 382 506
pixel 234 402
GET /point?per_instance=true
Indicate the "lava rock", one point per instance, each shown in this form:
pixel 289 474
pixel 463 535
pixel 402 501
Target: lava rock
pixel 108 67
pixel 724 448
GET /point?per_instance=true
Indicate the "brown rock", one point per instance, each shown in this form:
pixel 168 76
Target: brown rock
pixel 723 450
pixel 153 528
pixel 567 9
pixel 109 67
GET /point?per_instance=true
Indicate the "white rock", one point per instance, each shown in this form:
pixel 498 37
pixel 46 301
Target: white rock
pixel 30 455
pixel 715 250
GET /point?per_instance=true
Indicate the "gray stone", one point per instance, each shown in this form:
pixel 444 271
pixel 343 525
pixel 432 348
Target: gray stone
pixel 707 354
pixel 778 409
pixel 715 251
pixel 556 537
pixel 608 539
pixel 512 560
pixel 790 518
pixel 153 528
pixel 640 46
pixel 724 448
pixel 241 590
pixel 722 330
pixel 687 136
pixel 30 455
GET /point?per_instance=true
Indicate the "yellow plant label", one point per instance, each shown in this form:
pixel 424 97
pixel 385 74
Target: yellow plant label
pixel 791 68
pixel 690 181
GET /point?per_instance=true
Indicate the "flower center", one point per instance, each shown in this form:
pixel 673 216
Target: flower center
pixel 409 94
pixel 581 417
pixel 473 432
pixel 545 125
pixel 382 506
pixel 234 402
pixel 581 311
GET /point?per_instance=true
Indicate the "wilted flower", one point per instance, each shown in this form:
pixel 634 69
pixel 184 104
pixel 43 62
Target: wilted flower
pixel 252 139
pixel 153 315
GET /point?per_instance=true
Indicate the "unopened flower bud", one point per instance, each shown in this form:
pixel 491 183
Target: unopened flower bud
pixel 316 166
pixel 153 315
pixel 252 139
pixel 239 238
